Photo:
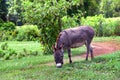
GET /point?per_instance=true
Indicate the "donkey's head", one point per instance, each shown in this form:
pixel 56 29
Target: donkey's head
pixel 58 55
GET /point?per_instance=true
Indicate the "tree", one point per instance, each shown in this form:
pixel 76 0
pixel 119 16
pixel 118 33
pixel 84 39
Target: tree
pixel 47 15
pixel 14 11
pixel 110 8
pixel 3 10
pixel 87 8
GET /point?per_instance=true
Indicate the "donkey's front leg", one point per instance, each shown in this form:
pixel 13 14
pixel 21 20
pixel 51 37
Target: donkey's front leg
pixel 69 55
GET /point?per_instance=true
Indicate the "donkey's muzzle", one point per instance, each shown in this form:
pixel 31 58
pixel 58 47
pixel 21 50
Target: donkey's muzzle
pixel 58 65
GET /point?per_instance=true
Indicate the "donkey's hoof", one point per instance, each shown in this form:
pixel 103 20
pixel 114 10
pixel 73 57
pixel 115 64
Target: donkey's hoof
pixel 70 62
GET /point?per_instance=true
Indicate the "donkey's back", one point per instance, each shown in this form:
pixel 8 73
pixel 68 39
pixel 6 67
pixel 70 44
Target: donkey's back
pixel 78 36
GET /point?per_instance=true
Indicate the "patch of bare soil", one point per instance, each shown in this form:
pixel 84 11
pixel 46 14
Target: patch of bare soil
pixel 100 48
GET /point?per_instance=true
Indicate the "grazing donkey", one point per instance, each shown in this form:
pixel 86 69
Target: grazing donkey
pixel 72 38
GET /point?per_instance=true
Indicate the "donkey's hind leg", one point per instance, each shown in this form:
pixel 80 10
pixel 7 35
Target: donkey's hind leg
pixel 91 51
pixel 87 47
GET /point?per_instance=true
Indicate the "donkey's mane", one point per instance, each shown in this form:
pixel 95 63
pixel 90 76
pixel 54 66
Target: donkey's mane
pixel 58 37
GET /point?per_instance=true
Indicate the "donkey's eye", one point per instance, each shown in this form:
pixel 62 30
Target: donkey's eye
pixel 61 56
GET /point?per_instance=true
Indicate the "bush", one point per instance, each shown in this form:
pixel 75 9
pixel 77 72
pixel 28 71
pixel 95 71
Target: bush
pixel 6 31
pixel 117 28
pixel 6 35
pixel 7 53
pixel 7 26
pixel 96 22
pixel 69 22
pixel 1 22
pixel 27 32
pixel 103 26
pixel 109 26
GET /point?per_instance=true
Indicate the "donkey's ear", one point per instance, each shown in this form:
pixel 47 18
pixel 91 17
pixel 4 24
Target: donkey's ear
pixel 53 47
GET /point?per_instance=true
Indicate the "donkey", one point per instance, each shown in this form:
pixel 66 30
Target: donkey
pixel 73 38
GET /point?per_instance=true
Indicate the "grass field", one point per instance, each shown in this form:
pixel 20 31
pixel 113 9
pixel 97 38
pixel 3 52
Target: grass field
pixel 19 46
pixel 105 67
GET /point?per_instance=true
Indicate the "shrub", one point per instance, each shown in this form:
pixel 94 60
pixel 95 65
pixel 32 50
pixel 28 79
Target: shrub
pixel 96 22
pixel 4 46
pixel 7 53
pixel 27 32
pixel 103 26
pixel 1 22
pixel 109 27
pixel 69 22
pixel 6 30
pixel 6 35
pixel 117 28
pixel 8 26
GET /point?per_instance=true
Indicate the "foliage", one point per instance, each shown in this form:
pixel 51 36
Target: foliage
pixel 14 10
pixel 95 22
pixel 27 32
pixel 6 31
pixel 3 10
pixel 102 26
pixel 110 8
pixel 51 16
pixel 7 53
pixel 86 7
pixel 6 35
pixel 117 24
pixel 69 22
pixel 7 26
pixel 111 26
pixel 47 15
pixel 1 22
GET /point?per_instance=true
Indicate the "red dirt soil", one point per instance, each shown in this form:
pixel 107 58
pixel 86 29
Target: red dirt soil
pixel 100 48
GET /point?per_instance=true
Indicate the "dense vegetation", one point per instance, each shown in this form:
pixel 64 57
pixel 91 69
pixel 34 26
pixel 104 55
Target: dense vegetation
pixel 28 29
pixel 55 15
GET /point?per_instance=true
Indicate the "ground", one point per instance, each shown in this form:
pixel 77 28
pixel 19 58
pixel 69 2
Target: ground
pixel 100 48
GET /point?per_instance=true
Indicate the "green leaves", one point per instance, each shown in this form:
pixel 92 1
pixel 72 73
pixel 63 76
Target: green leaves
pixel 102 26
pixel 47 16
pixel 27 32
pixel 110 8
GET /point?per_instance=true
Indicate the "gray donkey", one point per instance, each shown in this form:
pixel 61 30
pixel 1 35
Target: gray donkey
pixel 72 38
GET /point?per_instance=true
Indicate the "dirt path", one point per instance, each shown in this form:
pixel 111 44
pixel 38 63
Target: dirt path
pixel 99 48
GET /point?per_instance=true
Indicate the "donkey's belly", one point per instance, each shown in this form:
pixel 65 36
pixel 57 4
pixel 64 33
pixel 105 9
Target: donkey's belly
pixel 75 45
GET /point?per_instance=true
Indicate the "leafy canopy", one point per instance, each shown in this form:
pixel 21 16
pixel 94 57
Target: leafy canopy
pixel 47 14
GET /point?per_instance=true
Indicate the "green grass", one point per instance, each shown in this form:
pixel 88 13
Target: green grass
pixel 105 67
pixel 19 46
pixel 102 39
